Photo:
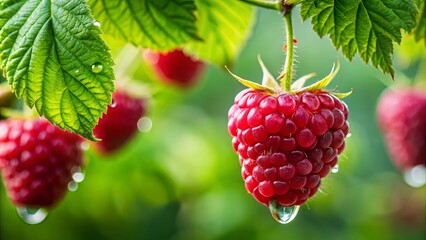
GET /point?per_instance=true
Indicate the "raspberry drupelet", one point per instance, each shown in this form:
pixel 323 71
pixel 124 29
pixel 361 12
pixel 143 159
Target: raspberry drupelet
pixel 287 142
pixel 37 161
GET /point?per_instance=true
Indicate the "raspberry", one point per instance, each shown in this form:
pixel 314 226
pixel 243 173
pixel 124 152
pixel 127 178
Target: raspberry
pixel 402 118
pixel 175 67
pixel 119 124
pixel 287 142
pixel 37 161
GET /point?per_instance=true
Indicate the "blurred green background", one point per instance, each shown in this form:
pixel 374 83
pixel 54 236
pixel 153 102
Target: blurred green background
pixel 181 180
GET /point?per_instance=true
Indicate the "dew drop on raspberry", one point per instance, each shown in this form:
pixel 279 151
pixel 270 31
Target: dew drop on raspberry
pixel 335 169
pixel 32 215
pixel 281 213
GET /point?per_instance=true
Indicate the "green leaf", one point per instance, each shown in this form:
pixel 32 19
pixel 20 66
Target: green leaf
pixel 420 32
pixel 368 27
pixel 155 24
pixel 47 50
pixel 224 26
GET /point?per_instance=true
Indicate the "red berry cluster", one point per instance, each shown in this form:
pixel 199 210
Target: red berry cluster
pixel 402 119
pixel 287 143
pixel 175 67
pixel 37 161
pixel 119 124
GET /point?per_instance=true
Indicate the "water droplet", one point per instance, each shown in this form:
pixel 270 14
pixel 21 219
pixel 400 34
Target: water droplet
pixel 97 67
pixel 32 215
pixel 96 23
pixel 72 186
pixel 145 124
pixel 416 176
pixel 76 71
pixel 335 169
pixel 349 135
pixel 113 103
pixel 283 214
pixel 84 146
pixel 78 177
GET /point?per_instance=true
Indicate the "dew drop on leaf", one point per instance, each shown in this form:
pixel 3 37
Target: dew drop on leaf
pixel 32 215
pixel 96 23
pixel 144 124
pixel 283 214
pixel 97 67
pixel 416 176
pixel 335 169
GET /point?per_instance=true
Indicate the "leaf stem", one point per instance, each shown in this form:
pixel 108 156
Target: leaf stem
pixel 288 66
pixel 275 5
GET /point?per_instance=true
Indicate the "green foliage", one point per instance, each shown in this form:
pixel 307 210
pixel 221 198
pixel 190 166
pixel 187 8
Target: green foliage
pixel 54 58
pixel 421 27
pixel 155 24
pixel 224 27
pixel 369 27
pixel 47 50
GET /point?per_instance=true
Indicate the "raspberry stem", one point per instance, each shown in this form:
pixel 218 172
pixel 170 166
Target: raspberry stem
pixel 286 76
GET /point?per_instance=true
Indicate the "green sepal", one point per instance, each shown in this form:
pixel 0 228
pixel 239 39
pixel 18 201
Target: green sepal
pixel 268 80
pixel 301 81
pixel 323 82
pixel 297 86
pixel 251 84
pixel 342 95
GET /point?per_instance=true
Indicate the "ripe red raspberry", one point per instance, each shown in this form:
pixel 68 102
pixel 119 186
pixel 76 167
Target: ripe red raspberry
pixel 175 67
pixel 119 124
pixel 287 142
pixel 37 161
pixel 402 118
